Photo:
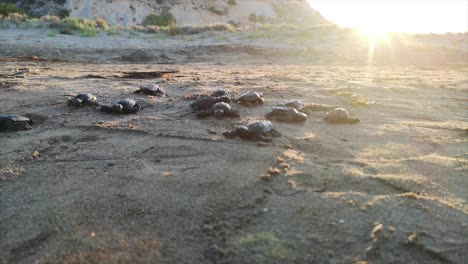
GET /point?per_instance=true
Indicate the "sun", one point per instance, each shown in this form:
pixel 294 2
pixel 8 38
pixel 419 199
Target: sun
pixel 409 16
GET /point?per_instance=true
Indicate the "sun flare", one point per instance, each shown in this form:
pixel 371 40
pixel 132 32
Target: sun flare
pixel 383 16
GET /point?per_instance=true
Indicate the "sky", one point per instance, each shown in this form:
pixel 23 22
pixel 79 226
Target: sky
pixel 410 16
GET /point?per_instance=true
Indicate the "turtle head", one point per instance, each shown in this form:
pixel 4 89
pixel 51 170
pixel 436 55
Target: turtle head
pixel 75 101
pixel 117 108
pixel 300 117
pixel 260 100
pixel 353 120
pixel 218 113
pixel 225 99
pixel 243 132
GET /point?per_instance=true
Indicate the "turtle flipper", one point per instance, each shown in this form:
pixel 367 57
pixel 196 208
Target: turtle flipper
pixel 260 137
pixel 133 110
pixel 231 113
pixel 275 133
pixel 75 101
pixel 230 134
pixel 138 91
pixel 284 119
pixel 206 113
pixel 269 116
pixel 352 120
pixel 106 108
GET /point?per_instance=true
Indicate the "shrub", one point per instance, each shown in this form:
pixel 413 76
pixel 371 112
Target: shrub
pixel 89 32
pixel 115 30
pixel 152 29
pixel 101 23
pixel 253 17
pixel 232 2
pixel 191 30
pixel 165 19
pixel 51 34
pixel 6 9
pixel 216 11
pixel 16 18
pixel 86 27
pixel 49 18
pixel 63 13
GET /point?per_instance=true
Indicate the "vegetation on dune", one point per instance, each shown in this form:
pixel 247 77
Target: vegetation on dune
pixel 165 19
pixel 191 30
pixel 216 11
pixel 7 9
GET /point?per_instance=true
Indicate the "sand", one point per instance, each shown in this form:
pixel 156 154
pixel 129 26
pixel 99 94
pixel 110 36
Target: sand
pixel 162 186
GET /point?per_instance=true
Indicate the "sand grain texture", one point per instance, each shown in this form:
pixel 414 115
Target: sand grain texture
pixel 163 186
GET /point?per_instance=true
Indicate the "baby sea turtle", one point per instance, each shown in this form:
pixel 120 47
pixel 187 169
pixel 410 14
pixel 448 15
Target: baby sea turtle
pixel 258 130
pixel 219 110
pixel 250 98
pixel 286 114
pixel 339 116
pixel 151 89
pixel 205 103
pixel 219 92
pixel 125 106
pixel 82 99
pixel 296 104
pixel 14 123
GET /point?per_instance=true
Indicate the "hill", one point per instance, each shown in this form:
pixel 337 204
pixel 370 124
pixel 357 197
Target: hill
pixel 196 12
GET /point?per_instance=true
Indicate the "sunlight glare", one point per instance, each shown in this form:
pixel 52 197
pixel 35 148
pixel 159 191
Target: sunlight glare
pixel 411 16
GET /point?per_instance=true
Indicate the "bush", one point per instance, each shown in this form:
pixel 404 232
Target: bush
pixel 232 2
pixel 152 29
pixel 49 18
pixel 63 13
pixel 6 9
pixel 216 11
pixel 86 27
pixel 253 17
pixel 164 20
pixel 191 30
pixel 101 23
pixel 16 18
pixel 115 30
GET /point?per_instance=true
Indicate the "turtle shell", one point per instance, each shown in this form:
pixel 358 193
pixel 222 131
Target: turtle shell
pixel 127 103
pixel 262 126
pixel 204 103
pixel 284 111
pixel 337 115
pixel 15 118
pixel 86 97
pixel 296 104
pixel 221 106
pixel 219 92
pixel 249 96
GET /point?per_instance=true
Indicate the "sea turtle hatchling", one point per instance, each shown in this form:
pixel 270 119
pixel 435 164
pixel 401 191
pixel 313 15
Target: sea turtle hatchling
pixel 286 114
pixel 151 89
pixel 250 98
pixel 219 110
pixel 296 104
pixel 82 99
pixel 340 116
pixel 255 131
pixel 14 123
pixel 125 106
pixel 206 102
pixel 219 92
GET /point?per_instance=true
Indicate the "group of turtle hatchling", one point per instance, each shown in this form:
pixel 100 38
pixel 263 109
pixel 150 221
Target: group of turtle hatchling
pixel 293 111
pixel 217 105
pixel 123 106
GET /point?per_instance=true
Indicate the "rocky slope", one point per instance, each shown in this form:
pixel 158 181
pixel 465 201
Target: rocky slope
pixel 195 12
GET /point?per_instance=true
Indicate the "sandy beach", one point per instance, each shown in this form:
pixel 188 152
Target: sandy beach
pixel 163 186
